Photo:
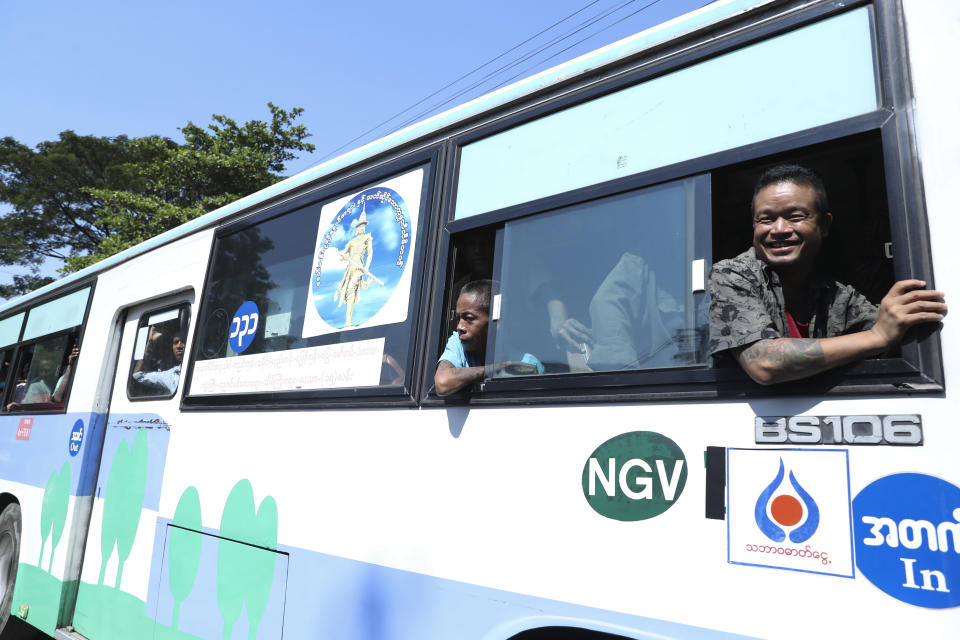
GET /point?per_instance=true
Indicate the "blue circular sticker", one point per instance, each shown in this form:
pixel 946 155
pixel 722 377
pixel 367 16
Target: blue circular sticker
pixel 76 437
pixel 907 532
pixel 243 326
pixel 361 258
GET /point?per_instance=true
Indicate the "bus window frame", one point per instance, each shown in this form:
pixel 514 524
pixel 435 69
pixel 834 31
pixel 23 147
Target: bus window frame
pixel 429 157
pixel 20 344
pixel 182 306
pixel 919 368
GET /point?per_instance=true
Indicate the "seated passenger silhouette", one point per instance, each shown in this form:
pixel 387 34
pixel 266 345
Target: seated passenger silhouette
pixel 634 321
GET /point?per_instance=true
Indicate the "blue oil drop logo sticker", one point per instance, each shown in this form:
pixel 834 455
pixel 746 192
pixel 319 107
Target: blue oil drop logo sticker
pixel 907 535
pixel 243 326
pixel 790 509
pixel 76 437
pixel 786 510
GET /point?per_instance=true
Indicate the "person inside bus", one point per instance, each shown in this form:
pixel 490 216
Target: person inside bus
pixel 635 322
pixel 157 372
pixel 60 390
pixel 782 319
pixel 462 361
pixel 21 385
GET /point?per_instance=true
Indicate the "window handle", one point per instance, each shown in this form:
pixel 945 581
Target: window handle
pixel 698 276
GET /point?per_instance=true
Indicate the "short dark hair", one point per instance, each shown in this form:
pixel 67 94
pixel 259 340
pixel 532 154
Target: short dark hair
pixel 481 290
pixel 798 175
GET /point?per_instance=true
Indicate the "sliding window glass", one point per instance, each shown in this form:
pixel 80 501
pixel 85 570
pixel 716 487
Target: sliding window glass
pixel 614 284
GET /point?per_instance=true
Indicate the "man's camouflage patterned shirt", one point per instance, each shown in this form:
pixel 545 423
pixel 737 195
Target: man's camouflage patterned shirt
pixel 746 305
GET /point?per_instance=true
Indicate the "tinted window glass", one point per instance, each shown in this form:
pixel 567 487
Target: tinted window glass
pixel 39 370
pixel 318 298
pixel 44 370
pixel 668 119
pixel 56 315
pixel 609 285
pixel 10 329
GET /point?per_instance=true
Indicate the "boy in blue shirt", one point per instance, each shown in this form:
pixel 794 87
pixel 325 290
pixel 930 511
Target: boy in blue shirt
pixel 462 361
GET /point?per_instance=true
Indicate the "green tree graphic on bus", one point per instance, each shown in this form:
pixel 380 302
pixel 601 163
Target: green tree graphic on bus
pixel 53 512
pixel 245 572
pixel 123 502
pixel 185 549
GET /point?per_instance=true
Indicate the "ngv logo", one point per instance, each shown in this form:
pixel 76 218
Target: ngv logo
pixel 243 327
pixel 634 476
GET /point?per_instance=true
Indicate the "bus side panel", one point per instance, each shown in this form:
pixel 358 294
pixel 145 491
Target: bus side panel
pixel 212 569
pixel 48 466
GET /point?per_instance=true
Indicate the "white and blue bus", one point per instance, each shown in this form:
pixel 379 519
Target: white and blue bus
pixel 231 430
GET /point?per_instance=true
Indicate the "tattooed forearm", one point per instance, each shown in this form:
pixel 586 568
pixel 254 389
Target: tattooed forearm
pixel 780 360
pixel 449 378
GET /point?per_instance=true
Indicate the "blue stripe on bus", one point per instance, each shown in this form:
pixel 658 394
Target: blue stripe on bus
pixel 326 596
pixel 33 457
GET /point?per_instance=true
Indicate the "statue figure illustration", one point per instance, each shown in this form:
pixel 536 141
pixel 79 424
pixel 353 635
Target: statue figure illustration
pixel 357 253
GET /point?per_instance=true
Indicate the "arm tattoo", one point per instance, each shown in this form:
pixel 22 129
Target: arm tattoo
pixel 466 375
pixel 462 376
pixel 792 357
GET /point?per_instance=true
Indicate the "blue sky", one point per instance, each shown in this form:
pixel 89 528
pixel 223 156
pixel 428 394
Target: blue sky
pixel 106 68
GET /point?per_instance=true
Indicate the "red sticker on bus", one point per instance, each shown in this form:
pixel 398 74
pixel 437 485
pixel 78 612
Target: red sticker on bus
pixel 24 428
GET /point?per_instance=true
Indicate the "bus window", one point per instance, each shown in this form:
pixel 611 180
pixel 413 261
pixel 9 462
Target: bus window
pixel 319 298
pixel 10 329
pixel 158 353
pixel 858 250
pixel 38 369
pixel 472 260
pixel 6 367
pixel 44 368
pixel 610 281
pixel 9 335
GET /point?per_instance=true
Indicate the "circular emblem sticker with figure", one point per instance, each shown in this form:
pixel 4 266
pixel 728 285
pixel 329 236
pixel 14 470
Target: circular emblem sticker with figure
pixel 361 274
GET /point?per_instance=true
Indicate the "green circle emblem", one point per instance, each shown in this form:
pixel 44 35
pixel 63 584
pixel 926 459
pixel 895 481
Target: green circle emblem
pixel 634 476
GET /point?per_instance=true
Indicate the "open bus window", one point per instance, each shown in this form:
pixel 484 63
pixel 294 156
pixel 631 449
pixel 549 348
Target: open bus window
pixel 319 298
pixel 472 260
pixel 858 250
pixel 158 353
pixel 6 366
pixel 609 285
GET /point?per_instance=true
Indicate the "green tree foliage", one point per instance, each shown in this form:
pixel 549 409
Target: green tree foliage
pixel 53 510
pixel 123 502
pixel 62 501
pixel 244 572
pixel 185 549
pixel 80 199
